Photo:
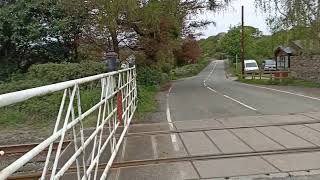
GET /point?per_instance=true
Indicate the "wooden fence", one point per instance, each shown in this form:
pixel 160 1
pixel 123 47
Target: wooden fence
pixel 272 75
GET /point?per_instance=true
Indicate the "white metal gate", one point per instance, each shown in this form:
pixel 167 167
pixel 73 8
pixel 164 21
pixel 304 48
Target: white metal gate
pixel 116 107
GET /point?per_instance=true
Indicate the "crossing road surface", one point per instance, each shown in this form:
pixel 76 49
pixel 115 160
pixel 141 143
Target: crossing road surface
pixel 217 128
pixel 211 94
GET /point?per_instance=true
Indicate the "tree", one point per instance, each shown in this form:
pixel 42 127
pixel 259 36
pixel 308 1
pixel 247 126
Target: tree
pixel 154 27
pixel 302 16
pixel 39 31
pixel 190 51
pixel 230 43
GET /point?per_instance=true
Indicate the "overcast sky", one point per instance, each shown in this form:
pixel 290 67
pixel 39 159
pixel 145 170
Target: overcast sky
pixel 232 16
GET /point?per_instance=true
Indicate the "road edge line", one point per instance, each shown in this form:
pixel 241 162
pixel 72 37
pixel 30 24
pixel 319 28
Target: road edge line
pixel 172 128
pixel 282 91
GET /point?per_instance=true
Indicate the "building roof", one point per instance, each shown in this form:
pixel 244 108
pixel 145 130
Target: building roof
pixel 287 50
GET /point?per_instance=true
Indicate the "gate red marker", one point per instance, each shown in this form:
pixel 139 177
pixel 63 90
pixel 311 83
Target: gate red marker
pixel 119 106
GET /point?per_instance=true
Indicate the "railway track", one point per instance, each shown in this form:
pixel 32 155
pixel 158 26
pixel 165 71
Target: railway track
pixel 24 148
pixel 148 133
pixel 136 163
pixel 19 149
pixel 14 152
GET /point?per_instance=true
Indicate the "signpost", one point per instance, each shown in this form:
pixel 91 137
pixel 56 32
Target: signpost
pixel 242 39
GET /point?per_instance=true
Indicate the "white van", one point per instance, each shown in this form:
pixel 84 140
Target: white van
pixel 250 66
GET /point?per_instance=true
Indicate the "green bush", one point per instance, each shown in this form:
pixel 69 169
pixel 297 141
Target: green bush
pixel 62 72
pixel 43 110
pixel 44 74
pixel 189 70
pixel 150 77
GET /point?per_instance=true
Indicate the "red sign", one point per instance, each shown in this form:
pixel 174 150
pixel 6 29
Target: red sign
pixel 119 106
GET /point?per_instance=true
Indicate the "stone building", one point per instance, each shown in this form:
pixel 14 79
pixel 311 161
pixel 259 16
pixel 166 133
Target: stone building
pixel 283 57
pixel 302 58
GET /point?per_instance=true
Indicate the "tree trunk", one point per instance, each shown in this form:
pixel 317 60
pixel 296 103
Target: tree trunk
pixel 75 48
pixel 115 42
pixel 318 10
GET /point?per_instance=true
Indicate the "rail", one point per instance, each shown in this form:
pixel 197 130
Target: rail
pixel 116 107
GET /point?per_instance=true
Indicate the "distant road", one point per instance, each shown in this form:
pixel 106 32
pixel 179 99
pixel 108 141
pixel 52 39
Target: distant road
pixel 212 95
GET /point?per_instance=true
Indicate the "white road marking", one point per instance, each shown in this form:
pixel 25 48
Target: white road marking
pixel 287 92
pixel 172 128
pixel 212 89
pixel 240 103
pixel 154 147
pixel 214 64
pixel 169 117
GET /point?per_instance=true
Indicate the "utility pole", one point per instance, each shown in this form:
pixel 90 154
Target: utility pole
pixel 242 39
pixel 236 63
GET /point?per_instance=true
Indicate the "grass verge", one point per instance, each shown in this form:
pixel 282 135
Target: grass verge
pixel 147 102
pixel 146 96
pixel 284 82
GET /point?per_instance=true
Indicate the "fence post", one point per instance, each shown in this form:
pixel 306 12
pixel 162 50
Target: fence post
pixel 260 73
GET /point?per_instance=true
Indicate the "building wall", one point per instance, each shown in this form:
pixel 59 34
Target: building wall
pixel 306 67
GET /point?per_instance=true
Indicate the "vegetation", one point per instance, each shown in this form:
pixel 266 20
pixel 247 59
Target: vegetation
pixel 48 41
pixel 147 102
pixel 300 16
pixel 42 110
pixel 257 45
pixel 211 46
pixel 189 70
pixel 44 42
pixel 41 31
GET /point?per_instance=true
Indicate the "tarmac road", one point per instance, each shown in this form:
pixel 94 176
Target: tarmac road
pixel 210 100
pixel 211 95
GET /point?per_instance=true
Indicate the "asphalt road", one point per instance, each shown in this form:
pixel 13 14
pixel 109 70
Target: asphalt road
pixel 212 95
pixel 210 100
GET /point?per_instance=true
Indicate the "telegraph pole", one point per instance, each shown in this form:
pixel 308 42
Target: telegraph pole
pixel 242 39
pixel 236 63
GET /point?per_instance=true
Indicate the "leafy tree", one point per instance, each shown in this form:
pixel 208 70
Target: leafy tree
pixel 190 51
pixel 41 31
pixel 302 17
pixel 231 41
pixel 211 47
pixel 33 31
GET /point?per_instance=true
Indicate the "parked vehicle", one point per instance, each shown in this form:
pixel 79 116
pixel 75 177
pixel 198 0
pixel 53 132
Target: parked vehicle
pixel 250 66
pixel 269 65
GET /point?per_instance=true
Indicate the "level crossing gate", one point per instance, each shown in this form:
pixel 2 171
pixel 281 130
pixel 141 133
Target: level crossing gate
pixel 116 108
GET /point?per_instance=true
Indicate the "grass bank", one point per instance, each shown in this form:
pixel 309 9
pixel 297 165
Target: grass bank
pixel 190 69
pixel 147 101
